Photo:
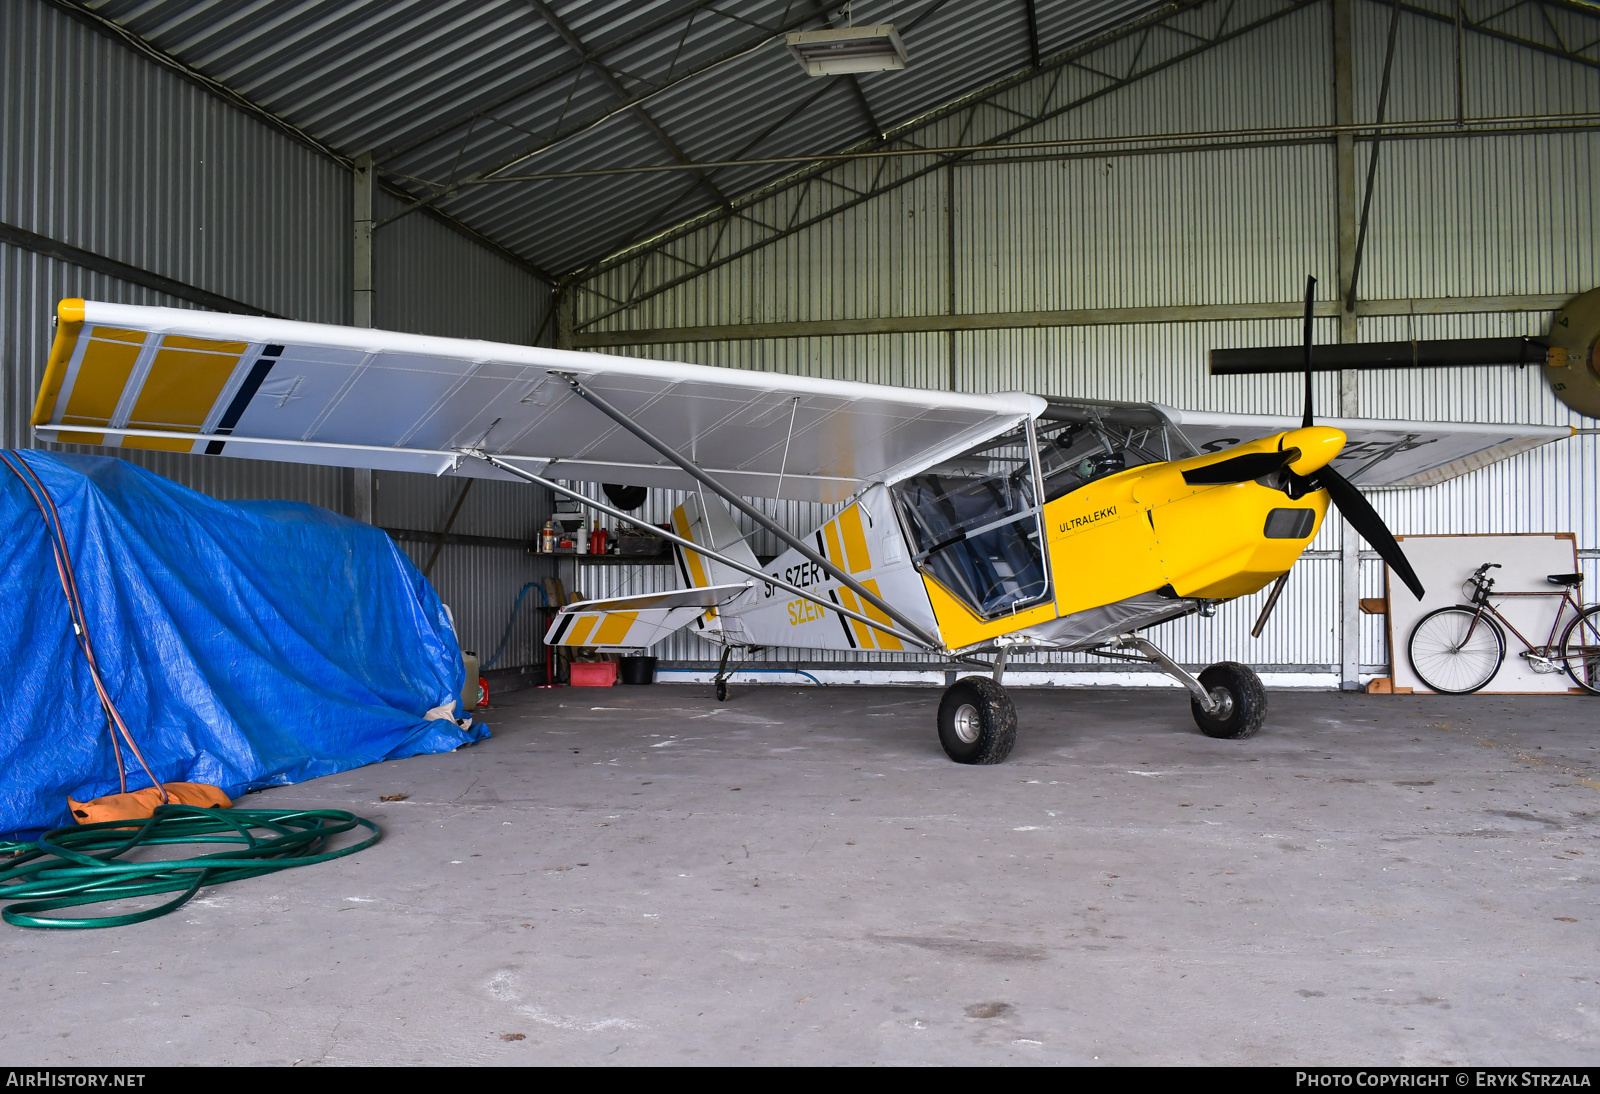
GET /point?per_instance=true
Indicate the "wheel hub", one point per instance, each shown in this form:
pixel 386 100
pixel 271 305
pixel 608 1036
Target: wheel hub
pixel 967 724
pixel 1224 704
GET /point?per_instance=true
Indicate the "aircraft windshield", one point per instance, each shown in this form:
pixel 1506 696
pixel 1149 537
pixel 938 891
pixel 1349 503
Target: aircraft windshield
pixel 974 524
pixel 1080 442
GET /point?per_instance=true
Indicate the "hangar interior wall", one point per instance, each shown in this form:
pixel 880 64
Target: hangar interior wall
pixel 1452 216
pixel 108 151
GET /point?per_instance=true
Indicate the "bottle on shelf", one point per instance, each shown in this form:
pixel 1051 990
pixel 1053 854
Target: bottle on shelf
pixel 581 540
pixel 597 539
pixel 547 537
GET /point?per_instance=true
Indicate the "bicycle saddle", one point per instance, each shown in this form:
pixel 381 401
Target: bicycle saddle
pixel 1570 580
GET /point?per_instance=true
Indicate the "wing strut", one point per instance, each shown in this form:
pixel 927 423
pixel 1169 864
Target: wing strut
pixel 689 544
pixel 691 468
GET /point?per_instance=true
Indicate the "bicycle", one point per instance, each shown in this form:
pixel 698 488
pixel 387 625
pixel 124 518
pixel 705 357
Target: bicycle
pixel 1457 650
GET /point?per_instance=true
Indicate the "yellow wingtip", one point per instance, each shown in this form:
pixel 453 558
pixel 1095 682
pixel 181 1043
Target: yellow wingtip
pixel 70 322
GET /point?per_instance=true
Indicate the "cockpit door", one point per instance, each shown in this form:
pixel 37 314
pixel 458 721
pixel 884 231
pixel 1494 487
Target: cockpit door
pixel 975 527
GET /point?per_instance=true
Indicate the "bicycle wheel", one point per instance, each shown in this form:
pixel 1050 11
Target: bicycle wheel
pixel 1580 649
pixel 1455 650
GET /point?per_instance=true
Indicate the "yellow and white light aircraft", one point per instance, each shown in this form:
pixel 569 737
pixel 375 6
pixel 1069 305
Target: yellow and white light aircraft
pixel 967 525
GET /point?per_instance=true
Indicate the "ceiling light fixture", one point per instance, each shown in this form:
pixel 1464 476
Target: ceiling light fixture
pixel 848 49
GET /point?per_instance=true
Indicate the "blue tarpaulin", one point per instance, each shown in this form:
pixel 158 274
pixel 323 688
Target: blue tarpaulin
pixel 245 644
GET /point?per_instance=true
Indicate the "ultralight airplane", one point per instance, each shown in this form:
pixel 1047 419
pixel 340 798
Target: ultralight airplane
pixel 967 525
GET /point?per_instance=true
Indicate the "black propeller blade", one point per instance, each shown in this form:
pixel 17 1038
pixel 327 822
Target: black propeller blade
pixel 1356 509
pixel 1252 465
pixel 1350 502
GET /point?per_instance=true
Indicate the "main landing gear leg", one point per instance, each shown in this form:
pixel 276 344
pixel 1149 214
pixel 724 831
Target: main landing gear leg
pixel 1227 701
pixel 977 720
pixel 721 680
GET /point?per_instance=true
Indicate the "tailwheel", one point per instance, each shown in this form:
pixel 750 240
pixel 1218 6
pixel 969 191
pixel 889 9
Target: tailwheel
pixel 1240 702
pixel 722 691
pixel 977 721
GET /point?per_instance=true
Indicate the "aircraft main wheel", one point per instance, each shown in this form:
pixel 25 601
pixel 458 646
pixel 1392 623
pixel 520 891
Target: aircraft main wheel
pixel 1242 702
pixel 977 721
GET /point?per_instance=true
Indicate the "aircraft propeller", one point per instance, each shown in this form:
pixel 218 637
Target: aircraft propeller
pixel 1341 491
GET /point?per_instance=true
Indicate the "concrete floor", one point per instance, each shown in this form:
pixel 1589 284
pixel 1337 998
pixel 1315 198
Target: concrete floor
pixel 642 875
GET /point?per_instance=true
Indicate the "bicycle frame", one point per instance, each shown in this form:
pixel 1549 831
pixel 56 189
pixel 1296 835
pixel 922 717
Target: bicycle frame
pixel 1480 601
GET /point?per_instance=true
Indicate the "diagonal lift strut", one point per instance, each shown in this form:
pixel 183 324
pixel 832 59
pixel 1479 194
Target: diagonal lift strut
pixel 692 469
pixel 690 545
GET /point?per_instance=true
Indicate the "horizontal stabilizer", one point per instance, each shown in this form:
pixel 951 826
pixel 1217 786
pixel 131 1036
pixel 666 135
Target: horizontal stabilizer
pixel 635 622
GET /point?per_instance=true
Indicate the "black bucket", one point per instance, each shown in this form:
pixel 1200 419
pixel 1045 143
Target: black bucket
pixel 638 670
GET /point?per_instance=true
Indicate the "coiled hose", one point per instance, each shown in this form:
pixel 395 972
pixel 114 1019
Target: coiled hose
pixel 85 864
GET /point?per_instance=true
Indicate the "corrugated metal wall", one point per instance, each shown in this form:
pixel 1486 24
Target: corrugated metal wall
pixel 429 279
pixel 1451 216
pixel 106 151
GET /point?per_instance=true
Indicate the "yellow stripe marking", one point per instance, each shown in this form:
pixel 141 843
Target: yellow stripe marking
pixel 182 387
pixel 614 628
pixel 580 630
pixel 830 532
pixel 81 438
pixel 863 632
pixel 102 374
pixel 885 641
pixel 855 540
pixel 697 572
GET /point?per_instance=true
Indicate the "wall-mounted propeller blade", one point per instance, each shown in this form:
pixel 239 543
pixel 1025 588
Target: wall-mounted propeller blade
pixel 1251 465
pixel 1368 524
pixel 1311 288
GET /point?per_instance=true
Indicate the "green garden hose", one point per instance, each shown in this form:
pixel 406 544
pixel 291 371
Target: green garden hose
pixel 70 867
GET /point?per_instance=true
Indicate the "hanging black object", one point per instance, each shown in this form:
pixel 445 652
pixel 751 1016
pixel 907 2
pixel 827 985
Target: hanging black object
pixel 1305 341
pixel 626 498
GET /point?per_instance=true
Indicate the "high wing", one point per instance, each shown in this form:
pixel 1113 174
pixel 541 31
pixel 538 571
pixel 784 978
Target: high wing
pixel 207 382
pixel 1380 454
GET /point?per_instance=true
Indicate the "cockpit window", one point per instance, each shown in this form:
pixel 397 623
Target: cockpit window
pixel 1080 442
pixel 974 524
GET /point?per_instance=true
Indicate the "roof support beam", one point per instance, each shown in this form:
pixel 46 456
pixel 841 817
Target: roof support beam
pixel 971 105
pixel 1584 54
pixel 898 140
pixel 622 95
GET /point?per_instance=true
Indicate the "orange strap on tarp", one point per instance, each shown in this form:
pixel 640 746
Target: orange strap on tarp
pixel 140 804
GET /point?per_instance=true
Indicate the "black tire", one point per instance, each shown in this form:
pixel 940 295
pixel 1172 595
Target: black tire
pixel 722 691
pixel 1452 654
pixel 977 721
pixel 1243 702
pixel 1580 649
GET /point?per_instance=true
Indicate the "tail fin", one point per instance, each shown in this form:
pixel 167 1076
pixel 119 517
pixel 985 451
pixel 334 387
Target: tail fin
pixel 711 527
